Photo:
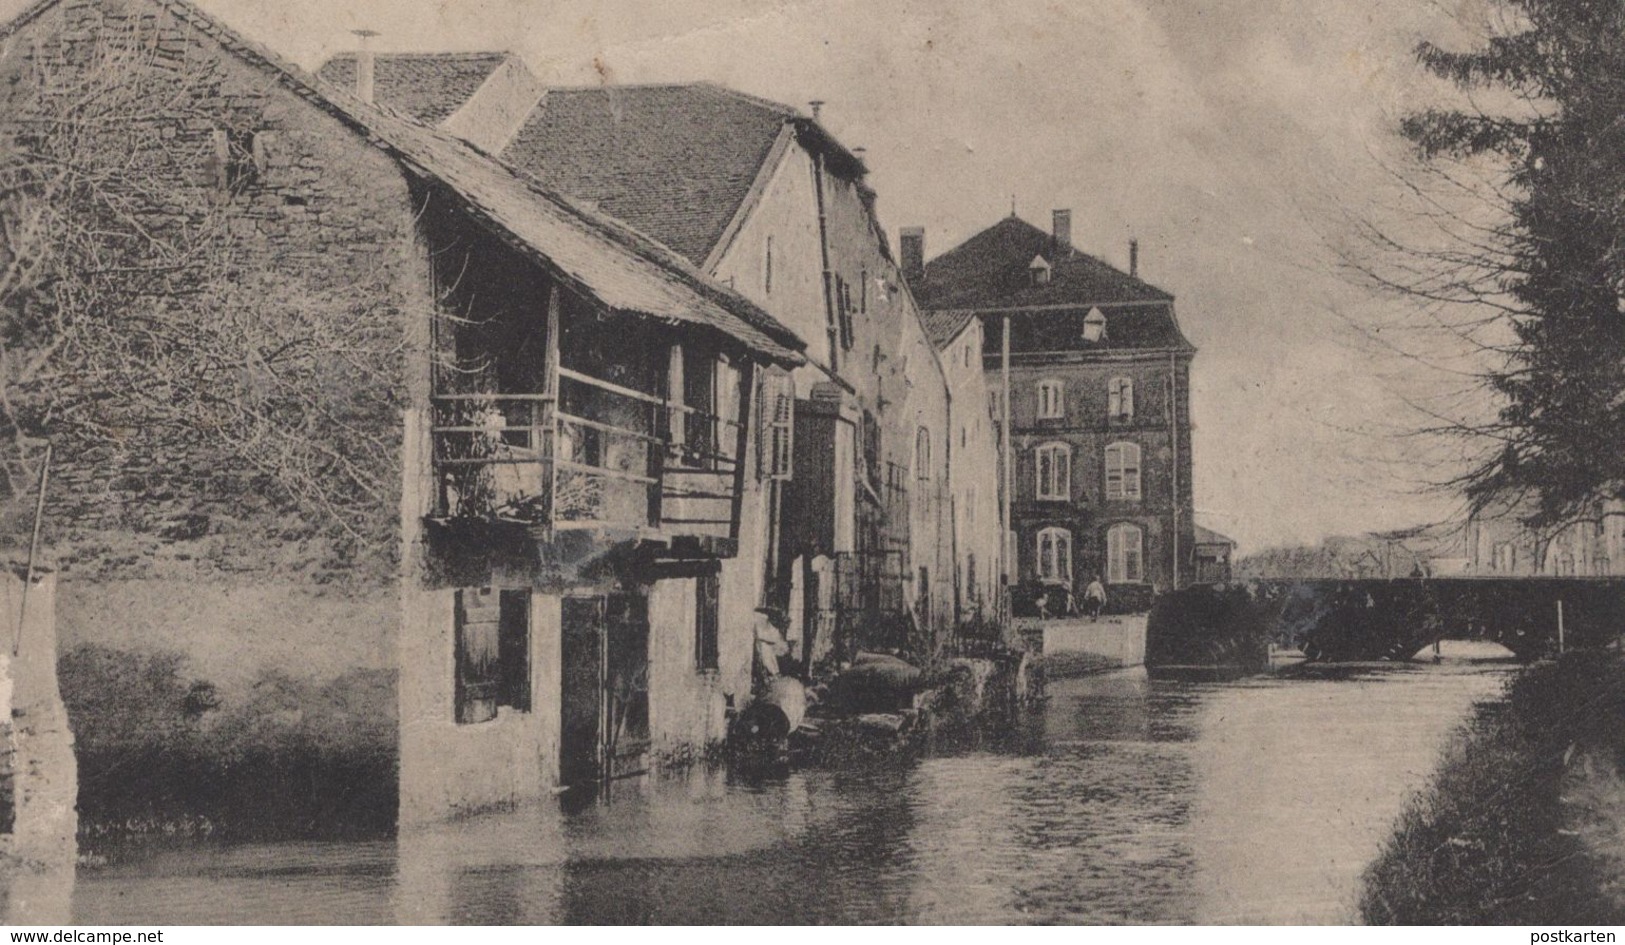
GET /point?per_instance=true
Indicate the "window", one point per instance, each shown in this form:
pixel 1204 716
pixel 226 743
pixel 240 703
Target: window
pixel 1504 558
pixel 492 652
pixel 693 380
pixel 1054 462
pixel 705 622
pixel 1051 400
pixel 863 293
pixel 239 156
pixel 1055 555
pixel 967 354
pixel 868 457
pixel 777 436
pixel 922 454
pixel 767 267
pixel 1120 398
pixel 995 406
pixel 1094 325
pixel 1123 471
pixel 1125 554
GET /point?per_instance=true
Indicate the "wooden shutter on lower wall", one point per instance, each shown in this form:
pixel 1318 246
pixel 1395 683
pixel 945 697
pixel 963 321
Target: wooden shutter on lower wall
pixel 479 662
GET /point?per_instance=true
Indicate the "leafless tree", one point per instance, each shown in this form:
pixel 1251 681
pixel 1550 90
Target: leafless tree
pixel 131 319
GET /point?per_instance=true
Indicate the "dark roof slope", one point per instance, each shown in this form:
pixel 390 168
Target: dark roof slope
pixel 674 161
pixel 1207 536
pixel 944 326
pixel 989 270
pixel 425 86
pixel 622 268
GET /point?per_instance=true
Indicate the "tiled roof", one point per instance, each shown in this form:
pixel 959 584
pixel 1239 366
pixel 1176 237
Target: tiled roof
pixel 674 161
pixel 944 326
pixel 621 268
pixel 991 272
pixel 424 86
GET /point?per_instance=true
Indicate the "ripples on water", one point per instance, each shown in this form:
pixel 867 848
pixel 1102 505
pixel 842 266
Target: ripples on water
pixel 1124 800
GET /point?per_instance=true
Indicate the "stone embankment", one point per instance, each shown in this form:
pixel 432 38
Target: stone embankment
pixel 1076 646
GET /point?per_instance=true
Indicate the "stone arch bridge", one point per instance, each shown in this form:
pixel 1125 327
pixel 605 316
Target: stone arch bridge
pixel 1373 619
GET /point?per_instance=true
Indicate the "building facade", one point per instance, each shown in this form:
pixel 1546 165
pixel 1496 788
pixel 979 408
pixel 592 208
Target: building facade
pixel 1499 544
pixel 868 548
pixel 573 487
pixel 1090 369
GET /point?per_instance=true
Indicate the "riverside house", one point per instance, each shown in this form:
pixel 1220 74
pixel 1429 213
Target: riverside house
pixel 572 424
pixel 881 535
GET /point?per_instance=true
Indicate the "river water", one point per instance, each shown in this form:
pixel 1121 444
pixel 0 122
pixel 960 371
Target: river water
pixel 1123 800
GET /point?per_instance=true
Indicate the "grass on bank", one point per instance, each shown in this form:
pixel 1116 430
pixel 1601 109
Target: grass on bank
pixel 1524 822
pixel 162 751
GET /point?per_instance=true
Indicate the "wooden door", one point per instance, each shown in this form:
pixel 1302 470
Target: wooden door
pixel 582 691
pixel 605 693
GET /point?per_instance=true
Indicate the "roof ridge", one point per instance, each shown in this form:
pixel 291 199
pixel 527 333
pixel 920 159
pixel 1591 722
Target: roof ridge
pixel 349 54
pixel 352 111
pixel 780 108
pixel 1075 253
pixel 25 16
pixel 788 111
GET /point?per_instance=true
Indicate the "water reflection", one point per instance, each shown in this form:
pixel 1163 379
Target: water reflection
pixel 1124 800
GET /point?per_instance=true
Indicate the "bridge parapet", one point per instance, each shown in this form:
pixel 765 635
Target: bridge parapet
pixel 1369 619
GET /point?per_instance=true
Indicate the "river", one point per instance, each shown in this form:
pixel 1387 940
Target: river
pixel 1122 800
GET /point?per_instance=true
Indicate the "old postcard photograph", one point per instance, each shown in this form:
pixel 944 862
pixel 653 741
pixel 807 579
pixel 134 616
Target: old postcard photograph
pixel 812 462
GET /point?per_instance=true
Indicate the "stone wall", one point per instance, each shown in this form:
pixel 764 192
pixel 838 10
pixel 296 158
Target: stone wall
pixel 317 225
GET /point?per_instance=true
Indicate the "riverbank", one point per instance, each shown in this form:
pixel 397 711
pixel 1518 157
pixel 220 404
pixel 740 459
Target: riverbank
pixel 165 751
pixel 1524 822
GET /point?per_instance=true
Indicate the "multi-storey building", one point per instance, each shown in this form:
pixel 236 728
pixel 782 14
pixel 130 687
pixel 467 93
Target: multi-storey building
pixel 880 538
pixel 1097 461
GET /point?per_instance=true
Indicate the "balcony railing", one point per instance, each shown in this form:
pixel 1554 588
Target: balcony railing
pixel 597 455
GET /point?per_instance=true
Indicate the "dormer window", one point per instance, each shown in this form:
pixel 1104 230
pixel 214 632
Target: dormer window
pixel 1094 326
pixel 1038 271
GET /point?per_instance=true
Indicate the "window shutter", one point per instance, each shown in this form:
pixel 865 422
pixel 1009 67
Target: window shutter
pixel 778 413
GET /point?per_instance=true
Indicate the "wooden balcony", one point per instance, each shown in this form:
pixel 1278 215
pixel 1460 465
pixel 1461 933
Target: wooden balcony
pixel 593 456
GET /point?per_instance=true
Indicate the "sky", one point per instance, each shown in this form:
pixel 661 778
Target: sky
pixel 1236 140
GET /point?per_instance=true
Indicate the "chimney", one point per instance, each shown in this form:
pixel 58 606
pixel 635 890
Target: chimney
pixel 364 65
pixel 1134 258
pixel 912 249
pixel 817 105
pixel 1061 228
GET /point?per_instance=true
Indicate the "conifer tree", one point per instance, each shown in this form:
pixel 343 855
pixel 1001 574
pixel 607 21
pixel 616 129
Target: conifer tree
pixel 1545 108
